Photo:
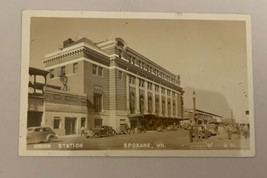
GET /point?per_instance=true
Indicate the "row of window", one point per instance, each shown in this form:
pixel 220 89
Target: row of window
pixel 57 123
pixel 132 80
pixel 63 70
pixel 97 70
pixel 152 70
pixel 69 98
pixel 142 104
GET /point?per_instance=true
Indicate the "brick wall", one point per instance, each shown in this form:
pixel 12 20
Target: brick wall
pixel 74 80
pixel 94 83
pixel 120 91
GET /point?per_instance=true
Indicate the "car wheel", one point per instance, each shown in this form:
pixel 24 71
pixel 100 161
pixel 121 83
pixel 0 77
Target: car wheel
pixel 49 139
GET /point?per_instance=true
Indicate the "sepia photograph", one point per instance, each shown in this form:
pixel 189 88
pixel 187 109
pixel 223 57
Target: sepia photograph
pixel 136 84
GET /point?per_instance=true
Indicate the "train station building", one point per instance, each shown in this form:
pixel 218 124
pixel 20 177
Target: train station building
pixel 116 84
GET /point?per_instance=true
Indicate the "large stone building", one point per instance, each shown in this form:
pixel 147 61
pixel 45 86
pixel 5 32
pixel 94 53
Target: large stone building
pixel 121 86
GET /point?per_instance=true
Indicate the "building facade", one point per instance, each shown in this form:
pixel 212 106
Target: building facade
pixel 204 117
pixel 63 111
pixel 121 86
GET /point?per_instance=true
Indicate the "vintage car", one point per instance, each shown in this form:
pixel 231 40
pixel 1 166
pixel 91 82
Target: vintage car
pixel 161 128
pixel 40 135
pixel 212 129
pixel 172 127
pixel 124 129
pixel 202 132
pixel 103 131
pixel 139 129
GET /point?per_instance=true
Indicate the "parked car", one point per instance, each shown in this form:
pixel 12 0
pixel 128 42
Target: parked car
pixel 185 126
pixel 139 129
pixel 40 135
pixel 212 129
pixel 172 127
pixel 161 128
pixel 103 131
pixel 89 133
pixel 202 132
pixel 124 129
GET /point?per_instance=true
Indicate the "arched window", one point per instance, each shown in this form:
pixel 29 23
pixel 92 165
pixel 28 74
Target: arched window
pixel 141 103
pixel 150 104
pixel 132 103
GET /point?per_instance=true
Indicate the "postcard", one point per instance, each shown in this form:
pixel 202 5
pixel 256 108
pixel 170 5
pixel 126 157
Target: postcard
pixel 136 84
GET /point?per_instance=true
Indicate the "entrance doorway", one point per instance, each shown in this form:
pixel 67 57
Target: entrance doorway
pixel 70 125
pixel 34 118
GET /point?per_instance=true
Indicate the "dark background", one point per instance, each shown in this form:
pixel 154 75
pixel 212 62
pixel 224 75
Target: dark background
pixel 11 165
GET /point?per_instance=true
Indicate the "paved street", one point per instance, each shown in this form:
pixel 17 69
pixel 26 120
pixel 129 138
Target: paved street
pixel 220 142
pixel 167 140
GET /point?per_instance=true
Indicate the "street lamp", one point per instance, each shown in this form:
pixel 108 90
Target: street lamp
pixel 195 115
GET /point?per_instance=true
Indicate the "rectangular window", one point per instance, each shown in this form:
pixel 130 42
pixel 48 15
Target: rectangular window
pixel 169 107
pixel 83 100
pixel 98 102
pixel 174 108
pixel 133 60
pixel 120 75
pixel 149 86
pixel 100 71
pixel 75 67
pixel 69 98
pixel 141 83
pixel 163 107
pixel 156 88
pixel 132 79
pixel 94 69
pixel 56 123
pixel 57 97
pixel 63 71
pixel 83 122
pixel 52 75
pixel 157 105
pixel 163 90
pixel 138 63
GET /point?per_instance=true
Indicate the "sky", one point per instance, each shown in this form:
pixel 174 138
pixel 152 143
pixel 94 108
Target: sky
pixel 210 56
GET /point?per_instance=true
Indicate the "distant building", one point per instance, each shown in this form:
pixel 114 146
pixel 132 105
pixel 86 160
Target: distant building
pixel 120 86
pixel 203 116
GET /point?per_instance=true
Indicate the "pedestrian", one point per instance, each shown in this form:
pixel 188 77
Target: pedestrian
pixel 191 134
pixel 216 128
pixel 220 130
pixel 229 131
pixel 245 129
pixel 82 131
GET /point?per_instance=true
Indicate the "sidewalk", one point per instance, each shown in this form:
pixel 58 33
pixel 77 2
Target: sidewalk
pixel 69 136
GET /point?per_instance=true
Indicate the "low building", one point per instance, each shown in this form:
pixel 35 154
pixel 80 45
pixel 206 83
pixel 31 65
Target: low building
pixel 36 86
pixel 204 117
pixel 63 111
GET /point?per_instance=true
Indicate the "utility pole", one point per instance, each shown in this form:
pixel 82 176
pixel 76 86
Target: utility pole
pixel 195 115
